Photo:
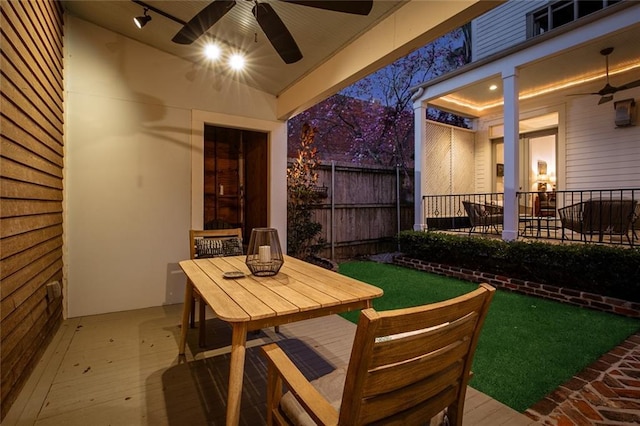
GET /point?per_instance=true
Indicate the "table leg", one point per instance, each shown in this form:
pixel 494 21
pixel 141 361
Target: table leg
pixel 236 372
pixel 186 312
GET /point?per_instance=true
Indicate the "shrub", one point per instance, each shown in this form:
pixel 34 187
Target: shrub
pixel 608 271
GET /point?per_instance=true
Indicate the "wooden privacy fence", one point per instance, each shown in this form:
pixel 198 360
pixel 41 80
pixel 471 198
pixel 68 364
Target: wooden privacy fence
pixel 364 209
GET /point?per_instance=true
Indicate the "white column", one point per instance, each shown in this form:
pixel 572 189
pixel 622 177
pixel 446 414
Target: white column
pixel 511 154
pixel 420 123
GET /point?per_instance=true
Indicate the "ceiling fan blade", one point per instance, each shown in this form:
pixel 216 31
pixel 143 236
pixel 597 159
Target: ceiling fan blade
pixel 583 94
pixel 357 7
pixel 204 20
pixel 277 33
pixel 629 85
pixel 605 99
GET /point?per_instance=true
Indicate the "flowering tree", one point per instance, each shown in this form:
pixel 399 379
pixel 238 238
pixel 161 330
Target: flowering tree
pixel 302 232
pixel 371 121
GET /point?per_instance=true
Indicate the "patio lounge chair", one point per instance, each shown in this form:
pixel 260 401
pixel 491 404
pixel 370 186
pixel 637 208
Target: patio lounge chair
pixel 483 215
pixel 407 366
pixel 601 217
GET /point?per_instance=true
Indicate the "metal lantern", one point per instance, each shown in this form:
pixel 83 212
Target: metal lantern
pixel 264 254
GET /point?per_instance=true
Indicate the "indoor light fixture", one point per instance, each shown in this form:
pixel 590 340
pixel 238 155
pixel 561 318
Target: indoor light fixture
pixel 141 21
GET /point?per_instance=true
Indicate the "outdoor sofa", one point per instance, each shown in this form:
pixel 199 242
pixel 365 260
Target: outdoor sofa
pixel 599 216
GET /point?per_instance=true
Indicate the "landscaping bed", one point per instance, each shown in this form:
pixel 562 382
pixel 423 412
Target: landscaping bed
pixel 595 269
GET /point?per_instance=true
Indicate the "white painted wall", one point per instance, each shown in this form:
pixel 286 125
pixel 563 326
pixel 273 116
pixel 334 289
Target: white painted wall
pixel 128 166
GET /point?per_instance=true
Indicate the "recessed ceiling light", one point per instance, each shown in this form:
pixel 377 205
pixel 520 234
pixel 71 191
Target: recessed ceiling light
pixel 493 87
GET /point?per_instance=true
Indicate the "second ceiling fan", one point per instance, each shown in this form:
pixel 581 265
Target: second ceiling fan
pixel 271 24
pixel 606 93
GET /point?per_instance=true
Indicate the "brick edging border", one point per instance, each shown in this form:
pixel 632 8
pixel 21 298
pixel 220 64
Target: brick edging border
pixel 546 291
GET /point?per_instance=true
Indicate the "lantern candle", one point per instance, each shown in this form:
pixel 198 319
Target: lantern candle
pixel 264 255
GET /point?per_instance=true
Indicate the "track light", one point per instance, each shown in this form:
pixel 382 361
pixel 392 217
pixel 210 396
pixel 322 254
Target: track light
pixel 141 21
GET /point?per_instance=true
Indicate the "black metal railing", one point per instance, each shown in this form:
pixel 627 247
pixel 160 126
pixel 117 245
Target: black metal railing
pixel 458 213
pixel 610 216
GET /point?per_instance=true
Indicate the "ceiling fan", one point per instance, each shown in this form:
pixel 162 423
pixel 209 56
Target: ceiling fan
pixel 271 24
pixel 606 93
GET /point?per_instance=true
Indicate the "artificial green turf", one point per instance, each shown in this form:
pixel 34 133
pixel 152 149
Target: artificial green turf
pixel 528 346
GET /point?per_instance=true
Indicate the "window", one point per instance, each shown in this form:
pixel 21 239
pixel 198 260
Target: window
pixel 557 13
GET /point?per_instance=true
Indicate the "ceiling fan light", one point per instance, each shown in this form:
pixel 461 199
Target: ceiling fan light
pixel 212 51
pixel 236 61
pixel 142 20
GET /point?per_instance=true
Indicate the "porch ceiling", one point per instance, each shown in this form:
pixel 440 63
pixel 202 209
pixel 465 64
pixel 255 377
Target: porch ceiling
pixel 337 48
pixel 579 68
pixel 318 33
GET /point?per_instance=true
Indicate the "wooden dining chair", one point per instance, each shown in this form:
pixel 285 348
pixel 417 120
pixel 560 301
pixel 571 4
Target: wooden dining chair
pixel 408 366
pixel 210 243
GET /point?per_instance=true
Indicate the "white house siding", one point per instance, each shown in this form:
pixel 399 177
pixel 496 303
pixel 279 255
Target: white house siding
pixel 128 151
pixel 592 153
pixel 483 161
pixel 501 27
pixel 599 155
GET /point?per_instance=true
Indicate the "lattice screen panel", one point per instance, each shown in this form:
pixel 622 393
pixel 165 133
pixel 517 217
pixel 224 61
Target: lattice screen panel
pixel 437 170
pixel 449 160
pixel 462 154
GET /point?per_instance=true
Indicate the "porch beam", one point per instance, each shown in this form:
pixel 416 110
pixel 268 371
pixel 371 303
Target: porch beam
pixel 414 24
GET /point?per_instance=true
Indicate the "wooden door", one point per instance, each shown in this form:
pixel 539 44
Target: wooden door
pixel 235 179
pixel 222 183
pixel 256 156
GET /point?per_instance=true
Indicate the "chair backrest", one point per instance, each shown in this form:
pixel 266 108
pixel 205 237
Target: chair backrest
pixel 215 242
pixel 609 215
pixel 572 216
pixel 473 211
pixel 407 365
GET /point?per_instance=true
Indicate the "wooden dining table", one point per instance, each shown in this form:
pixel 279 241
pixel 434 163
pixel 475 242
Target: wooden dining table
pixel 299 291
